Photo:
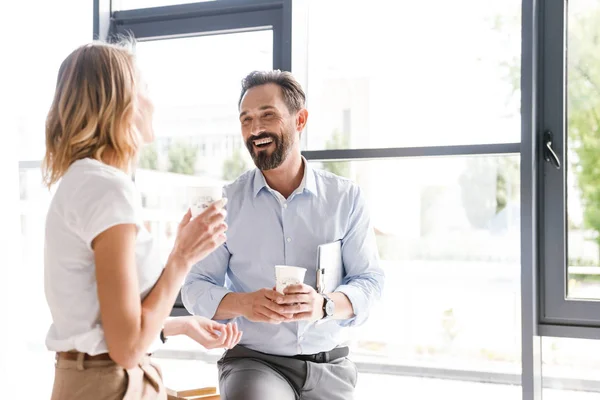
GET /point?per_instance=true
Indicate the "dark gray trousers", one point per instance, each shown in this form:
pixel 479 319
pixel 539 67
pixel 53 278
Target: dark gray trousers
pixel 245 374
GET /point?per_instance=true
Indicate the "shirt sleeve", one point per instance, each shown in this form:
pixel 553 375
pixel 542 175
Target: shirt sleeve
pixel 105 203
pixel 204 287
pixel 364 280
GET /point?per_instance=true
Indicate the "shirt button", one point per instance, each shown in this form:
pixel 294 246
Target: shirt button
pixel 285 205
pixel 289 239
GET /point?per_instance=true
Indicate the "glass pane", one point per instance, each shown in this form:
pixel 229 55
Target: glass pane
pixel 119 5
pixel 583 178
pixel 571 369
pixel 411 73
pixel 449 241
pixel 36 82
pixel 198 139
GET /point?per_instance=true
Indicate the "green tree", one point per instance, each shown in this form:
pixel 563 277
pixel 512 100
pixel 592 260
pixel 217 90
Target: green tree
pixel 507 182
pixel 149 157
pixel 234 166
pixel 182 158
pixel 338 141
pixel 509 28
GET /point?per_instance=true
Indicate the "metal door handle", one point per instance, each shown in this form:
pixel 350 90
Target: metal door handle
pixel 549 154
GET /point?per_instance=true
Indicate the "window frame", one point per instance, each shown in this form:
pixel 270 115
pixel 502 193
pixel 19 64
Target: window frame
pixel 559 315
pixel 211 18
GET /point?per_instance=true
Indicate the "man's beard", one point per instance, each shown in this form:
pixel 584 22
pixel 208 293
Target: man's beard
pixel 261 158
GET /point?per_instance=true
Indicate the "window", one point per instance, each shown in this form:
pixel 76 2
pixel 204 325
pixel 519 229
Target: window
pixel 571 256
pixel 447 233
pixel 583 136
pixel 393 90
pixel 195 102
pixel 403 74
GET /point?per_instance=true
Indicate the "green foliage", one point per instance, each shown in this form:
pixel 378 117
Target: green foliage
pixel 583 99
pixel 149 158
pixel 234 166
pixel 182 158
pixel 509 28
pixel 338 141
pixel 507 182
pixel 584 108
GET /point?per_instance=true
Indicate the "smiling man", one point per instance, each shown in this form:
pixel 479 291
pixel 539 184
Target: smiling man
pixel 278 214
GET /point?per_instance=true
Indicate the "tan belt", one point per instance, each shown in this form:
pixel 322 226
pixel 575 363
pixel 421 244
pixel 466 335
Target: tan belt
pixel 73 355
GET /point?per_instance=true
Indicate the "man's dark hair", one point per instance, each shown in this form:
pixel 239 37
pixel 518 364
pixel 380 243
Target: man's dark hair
pixel 293 95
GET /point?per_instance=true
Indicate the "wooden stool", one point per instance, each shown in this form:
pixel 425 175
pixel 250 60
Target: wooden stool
pixel 209 393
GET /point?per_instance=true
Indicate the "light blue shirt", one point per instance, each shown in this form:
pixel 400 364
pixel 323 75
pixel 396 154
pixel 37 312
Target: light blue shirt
pixel 265 230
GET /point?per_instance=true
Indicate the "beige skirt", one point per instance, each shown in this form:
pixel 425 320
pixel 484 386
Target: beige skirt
pixel 106 380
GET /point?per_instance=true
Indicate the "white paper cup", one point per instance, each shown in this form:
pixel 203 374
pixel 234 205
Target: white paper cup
pixel 286 275
pixel 201 197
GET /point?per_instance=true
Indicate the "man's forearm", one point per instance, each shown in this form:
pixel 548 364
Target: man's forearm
pixel 231 306
pixel 343 306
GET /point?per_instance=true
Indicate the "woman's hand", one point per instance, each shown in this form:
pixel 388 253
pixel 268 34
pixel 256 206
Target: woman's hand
pixel 208 333
pixel 198 237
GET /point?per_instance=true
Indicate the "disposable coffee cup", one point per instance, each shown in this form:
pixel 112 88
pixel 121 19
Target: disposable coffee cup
pixel 201 197
pixel 286 275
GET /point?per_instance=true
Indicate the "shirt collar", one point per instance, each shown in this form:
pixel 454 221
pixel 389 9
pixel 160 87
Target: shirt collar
pixel 308 183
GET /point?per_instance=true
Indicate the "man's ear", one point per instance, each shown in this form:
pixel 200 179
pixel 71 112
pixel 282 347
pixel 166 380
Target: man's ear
pixel 301 119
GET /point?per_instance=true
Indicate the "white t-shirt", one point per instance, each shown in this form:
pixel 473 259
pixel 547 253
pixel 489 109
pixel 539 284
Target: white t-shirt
pixel 90 198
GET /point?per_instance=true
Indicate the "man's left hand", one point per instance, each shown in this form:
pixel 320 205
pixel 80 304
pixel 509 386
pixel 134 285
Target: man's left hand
pixel 302 302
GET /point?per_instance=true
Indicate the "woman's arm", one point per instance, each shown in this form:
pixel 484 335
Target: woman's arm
pixel 130 325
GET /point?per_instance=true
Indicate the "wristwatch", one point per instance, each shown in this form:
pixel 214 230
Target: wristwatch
pixel 328 307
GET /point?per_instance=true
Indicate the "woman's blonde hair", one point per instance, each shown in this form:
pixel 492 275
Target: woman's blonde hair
pixel 93 110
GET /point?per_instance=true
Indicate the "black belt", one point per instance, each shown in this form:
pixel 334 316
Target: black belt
pixel 325 356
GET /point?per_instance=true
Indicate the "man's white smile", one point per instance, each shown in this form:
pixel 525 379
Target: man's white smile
pixel 263 142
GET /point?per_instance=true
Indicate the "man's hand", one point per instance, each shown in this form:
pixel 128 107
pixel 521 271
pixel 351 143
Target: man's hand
pixel 259 306
pixel 302 302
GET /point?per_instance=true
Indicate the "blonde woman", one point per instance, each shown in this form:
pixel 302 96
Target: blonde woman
pixel 108 294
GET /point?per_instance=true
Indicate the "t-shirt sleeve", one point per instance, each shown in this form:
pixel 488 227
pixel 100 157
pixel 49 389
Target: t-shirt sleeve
pixel 104 203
